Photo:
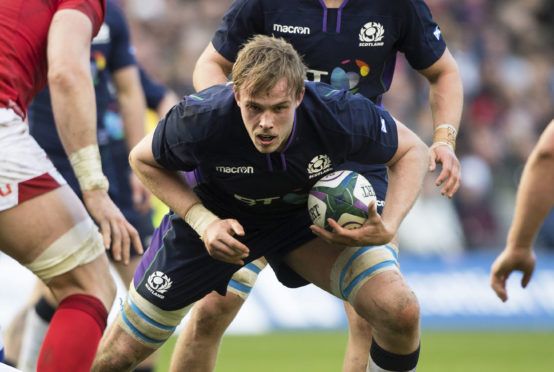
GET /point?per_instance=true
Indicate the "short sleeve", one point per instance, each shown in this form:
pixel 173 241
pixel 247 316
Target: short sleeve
pixel 243 19
pixel 94 9
pixel 422 41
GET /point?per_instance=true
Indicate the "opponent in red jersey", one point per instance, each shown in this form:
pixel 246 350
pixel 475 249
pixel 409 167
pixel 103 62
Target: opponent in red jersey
pixel 43 225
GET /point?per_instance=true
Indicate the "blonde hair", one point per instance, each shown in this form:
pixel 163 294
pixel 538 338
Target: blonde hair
pixel 263 61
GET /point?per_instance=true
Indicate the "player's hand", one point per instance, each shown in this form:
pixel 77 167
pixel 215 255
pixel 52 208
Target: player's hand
pixel 373 232
pixel 221 244
pixel 451 173
pixel 512 259
pixel 140 193
pixel 117 233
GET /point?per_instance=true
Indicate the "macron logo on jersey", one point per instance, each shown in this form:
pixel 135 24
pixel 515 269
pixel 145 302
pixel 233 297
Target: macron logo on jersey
pixel 286 29
pixel 383 126
pixel 235 170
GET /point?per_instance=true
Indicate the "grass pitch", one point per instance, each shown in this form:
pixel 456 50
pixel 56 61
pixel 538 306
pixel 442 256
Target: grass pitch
pixel 441 352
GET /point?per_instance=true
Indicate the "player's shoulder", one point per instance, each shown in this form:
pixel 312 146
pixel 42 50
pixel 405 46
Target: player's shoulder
pixel 203 113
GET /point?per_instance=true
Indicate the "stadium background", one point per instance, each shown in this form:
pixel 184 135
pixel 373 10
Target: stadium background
pixel 505 53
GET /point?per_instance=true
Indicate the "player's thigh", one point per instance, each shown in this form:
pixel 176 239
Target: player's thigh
pixel 27 229
pixel 314 261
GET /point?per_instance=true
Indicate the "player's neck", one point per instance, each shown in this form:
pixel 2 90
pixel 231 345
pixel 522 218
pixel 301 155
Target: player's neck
pixel 333 3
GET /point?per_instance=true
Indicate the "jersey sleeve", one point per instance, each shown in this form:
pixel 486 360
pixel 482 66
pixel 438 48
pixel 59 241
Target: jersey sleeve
pixel 94 9
pixel 153 91
pixel 422 41
pixel 172 144
pixel 243 19
pixel 122 52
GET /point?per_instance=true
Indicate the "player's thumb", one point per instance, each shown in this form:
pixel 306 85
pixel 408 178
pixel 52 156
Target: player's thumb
pixel 372 209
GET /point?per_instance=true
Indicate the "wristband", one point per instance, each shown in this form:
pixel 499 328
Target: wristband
pixel 199 217
pixel 88 168
pixel 445 134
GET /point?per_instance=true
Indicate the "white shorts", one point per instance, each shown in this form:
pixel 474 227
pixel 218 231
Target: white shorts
pixel 25 170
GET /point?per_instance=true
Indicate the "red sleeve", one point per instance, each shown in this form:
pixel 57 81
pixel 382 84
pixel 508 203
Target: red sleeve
pixel 94 9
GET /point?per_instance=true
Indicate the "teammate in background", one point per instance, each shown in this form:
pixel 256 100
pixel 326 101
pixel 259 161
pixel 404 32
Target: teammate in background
pixel 118 88
pixel 534 201
pixel 352 46
pixel 230 221
pixel 43 224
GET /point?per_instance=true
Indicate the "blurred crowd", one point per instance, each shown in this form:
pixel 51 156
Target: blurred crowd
pixel 505 53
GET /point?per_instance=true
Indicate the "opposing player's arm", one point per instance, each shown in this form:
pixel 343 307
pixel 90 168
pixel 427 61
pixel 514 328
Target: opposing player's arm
pixel 172 188
pixel 533 203
pixel 74 107
pixel 211 69
pixel 446 101
pixel 70 80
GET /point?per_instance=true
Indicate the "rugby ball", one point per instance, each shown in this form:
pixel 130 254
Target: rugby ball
pixel 343 196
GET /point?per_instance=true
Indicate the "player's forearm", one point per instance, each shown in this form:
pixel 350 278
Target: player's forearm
pixel 74 108
pixel 132 104
pixel 446 100
pixel 534 198
pixel 405 181
pixel 445 91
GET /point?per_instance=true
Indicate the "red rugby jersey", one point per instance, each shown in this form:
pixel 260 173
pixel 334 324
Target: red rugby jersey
pixel 24 28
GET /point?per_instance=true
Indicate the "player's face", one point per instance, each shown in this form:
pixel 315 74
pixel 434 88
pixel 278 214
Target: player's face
pixel 269 118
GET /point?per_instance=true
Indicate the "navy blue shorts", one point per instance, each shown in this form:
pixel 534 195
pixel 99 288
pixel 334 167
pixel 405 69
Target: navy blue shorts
pixel 177 270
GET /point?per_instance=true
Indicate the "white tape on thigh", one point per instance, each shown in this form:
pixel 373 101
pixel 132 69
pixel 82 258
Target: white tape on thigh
pixel 147 323
pixel 78 246
pixel 243 280
pixel 356 265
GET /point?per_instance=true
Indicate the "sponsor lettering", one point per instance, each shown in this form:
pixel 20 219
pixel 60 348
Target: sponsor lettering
pixel 7 192
pixel 252 202
pixel 291 29
pixel 235 170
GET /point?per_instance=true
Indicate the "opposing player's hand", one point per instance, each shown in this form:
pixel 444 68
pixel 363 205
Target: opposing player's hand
pixel 451 173
pixel 141 194
pixel 118 234
pixel 221 244
pixel 373 232
pixel 511 259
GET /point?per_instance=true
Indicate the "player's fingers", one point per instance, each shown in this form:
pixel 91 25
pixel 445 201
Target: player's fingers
pixel 432 162
pixel 526 278
pixel 237 228
pixel 498 284
pixel 135 238
pixel 106 233
pixel 116 240
pixel 221 251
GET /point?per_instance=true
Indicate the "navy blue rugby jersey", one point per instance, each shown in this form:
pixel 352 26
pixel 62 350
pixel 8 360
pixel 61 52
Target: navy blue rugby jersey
pixel 205 132
pixel 353 47
pixel 110 51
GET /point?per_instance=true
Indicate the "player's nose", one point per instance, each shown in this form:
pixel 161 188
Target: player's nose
pixel 266 120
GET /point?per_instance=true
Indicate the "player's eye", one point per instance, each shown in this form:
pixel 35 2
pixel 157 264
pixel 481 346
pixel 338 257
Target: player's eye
pixel 254 108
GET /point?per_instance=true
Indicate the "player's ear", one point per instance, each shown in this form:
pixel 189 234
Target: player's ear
pixel 300 97
pixel 237 97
